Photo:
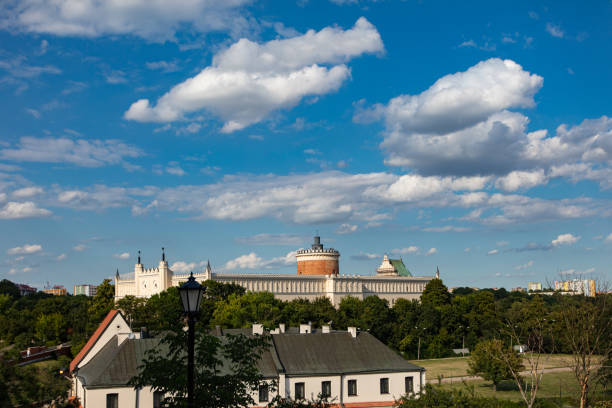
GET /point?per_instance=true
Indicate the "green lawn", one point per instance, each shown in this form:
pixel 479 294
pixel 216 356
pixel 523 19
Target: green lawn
pixel 458 366
pixel 553 386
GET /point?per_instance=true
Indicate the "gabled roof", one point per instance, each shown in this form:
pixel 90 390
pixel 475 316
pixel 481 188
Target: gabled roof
pixel 94 338
pixel 400 268
pixel 115 365
pixel 290 353
pixel 337 352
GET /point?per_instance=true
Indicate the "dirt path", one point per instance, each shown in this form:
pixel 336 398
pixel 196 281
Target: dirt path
pixel 475 377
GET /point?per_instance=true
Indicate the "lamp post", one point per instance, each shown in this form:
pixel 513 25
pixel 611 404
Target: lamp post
pixel 191 296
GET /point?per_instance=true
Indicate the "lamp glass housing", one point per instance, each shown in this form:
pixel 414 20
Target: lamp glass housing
pixel 191 295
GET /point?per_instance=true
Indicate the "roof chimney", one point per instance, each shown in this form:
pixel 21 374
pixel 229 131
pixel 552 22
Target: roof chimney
pixel 281 327
pixel 306 328
pixel 353 331
pixel 257 329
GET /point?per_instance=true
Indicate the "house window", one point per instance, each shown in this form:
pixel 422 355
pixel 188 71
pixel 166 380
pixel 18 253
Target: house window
pixel 263 393
pixel 158 396
pixel 326 389
pixel 112 400
pixel 299 391
pixel 409 385
pixel 352 387
pixel 384 385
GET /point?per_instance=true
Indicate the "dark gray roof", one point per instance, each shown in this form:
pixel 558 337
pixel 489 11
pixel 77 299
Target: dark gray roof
pixel 116 365
pixel 335 353
pixel 290 353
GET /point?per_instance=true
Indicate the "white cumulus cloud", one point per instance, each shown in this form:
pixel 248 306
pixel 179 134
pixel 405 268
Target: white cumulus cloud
pixel 123 255
pixel 346 229
pixel 253 261
pixel 16 210
pixel 407 250
pixel 153 20
pixel 521 180
pixel 431 251
pixel 81 152
pixel 25 249
pixel 27 192
pixel 186 267
pixel 565 239
pixel 248 81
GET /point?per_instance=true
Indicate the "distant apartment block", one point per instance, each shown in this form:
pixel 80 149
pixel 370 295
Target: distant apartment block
pixel 87 290
pixel 576 287
pixel 56 290
pixel 25 290
pixel 534 286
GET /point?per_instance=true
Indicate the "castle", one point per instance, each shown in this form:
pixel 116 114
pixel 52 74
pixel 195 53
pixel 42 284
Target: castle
pixel 318 275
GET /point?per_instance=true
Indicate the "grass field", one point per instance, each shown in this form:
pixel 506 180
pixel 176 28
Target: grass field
pixel 458 366
pixel 555 386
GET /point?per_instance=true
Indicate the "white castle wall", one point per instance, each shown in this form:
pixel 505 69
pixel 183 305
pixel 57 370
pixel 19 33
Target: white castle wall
pixel 147 282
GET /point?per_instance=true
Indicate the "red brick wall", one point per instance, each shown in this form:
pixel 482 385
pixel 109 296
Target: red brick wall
pixel 320 267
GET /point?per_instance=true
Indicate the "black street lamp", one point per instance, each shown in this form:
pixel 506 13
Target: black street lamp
pixel 191 296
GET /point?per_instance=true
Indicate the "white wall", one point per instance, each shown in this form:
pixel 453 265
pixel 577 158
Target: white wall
pixel 312 386
pixel 368 386
pixel 116 326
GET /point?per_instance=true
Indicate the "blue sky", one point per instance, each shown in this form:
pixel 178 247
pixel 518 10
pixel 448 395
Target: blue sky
pixel 474 137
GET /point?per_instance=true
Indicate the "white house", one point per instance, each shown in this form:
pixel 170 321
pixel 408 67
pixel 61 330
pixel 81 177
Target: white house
pixel 352 368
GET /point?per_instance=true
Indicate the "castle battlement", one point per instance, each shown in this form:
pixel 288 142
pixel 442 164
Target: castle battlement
pixel 318 251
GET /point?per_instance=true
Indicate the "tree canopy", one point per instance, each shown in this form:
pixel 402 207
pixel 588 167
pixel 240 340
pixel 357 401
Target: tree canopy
pixel 490 360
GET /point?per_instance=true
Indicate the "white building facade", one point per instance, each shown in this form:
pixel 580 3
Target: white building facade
pixel 386 284
pixel 351 368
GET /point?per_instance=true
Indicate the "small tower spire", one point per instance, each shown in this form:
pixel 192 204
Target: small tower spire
pixel 163 254
pixel 208 268
pixel 437 273
pixel 117 274
pixel 139 257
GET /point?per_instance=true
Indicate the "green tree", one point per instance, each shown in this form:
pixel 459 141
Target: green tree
pixel 101 304
pixel 435 294
pixel 434 397
pixel 164 311
pixel 134 310
pixel 50 328
pixel 494 362
pixel 349 312
pixel 9 288
pixel 244 310
pixel 225 369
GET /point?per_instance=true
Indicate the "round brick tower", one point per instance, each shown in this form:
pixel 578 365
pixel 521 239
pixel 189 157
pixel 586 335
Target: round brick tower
pixel 317 260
